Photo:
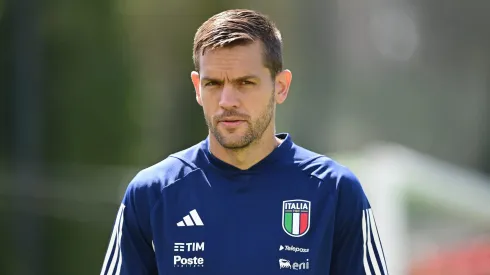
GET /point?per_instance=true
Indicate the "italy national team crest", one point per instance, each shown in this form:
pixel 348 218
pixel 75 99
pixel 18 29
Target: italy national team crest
pixel 296 216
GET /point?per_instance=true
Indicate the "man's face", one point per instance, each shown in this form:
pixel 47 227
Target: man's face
pixel 237 94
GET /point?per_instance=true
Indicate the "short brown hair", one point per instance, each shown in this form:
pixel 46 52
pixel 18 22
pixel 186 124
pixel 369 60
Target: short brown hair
pixel 240 27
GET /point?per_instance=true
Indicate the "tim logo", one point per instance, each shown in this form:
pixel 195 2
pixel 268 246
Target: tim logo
pixel 186 247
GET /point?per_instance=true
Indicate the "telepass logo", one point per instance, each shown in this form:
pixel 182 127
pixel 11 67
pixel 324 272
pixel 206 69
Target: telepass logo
pixel 296 216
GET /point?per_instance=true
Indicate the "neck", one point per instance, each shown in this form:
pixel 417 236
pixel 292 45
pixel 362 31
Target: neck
pixel 246 157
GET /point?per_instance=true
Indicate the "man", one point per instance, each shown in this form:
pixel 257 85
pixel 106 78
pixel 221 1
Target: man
pixel 245 200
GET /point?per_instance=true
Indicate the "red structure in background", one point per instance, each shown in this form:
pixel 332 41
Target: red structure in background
pixel 466 259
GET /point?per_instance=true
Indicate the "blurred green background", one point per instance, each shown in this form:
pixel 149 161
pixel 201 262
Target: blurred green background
pixel 93 91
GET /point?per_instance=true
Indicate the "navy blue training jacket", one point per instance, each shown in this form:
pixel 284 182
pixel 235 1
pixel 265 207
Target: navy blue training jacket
pixel 294 212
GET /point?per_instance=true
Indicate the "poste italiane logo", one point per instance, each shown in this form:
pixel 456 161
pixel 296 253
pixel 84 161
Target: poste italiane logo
pixel 296 216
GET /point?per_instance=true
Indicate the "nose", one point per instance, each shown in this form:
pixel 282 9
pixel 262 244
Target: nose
pixel 229 97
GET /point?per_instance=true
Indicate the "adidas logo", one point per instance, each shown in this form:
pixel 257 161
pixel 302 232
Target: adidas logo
pixel 192 219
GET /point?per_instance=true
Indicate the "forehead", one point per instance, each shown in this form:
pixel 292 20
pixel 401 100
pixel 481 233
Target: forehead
pixel 234 61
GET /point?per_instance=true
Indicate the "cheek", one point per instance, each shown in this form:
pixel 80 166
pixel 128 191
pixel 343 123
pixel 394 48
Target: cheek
pixel 209 105
pixel 210 98
pixel 258 103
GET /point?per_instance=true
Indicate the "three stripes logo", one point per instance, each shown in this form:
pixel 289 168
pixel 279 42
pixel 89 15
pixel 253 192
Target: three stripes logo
pixel 192 219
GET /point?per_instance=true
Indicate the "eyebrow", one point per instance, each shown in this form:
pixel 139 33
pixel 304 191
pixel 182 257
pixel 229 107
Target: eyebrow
pixel 238 79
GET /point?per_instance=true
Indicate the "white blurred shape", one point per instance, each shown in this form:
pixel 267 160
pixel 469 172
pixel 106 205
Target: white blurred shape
pixel 394 34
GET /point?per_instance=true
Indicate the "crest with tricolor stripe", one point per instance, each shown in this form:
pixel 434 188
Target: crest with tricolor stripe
pixel 296 215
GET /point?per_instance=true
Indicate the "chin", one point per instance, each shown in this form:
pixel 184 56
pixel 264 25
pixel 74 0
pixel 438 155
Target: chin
pixel 233 140
pixel 236 145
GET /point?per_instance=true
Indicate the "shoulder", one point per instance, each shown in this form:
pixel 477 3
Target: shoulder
pixel 151 181
pixel 329 171
pixel 333 177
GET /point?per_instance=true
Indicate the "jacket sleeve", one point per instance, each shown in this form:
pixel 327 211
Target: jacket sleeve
pixel 130 250
pixel 357 248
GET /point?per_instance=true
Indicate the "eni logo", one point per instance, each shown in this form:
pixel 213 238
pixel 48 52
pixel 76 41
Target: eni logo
pixel 284 264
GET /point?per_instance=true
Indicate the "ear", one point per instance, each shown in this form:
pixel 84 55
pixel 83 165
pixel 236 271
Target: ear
pixel 196 81
pixel 282 84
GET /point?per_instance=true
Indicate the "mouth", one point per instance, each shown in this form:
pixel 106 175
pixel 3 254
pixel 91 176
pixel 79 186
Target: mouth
pixel 231 122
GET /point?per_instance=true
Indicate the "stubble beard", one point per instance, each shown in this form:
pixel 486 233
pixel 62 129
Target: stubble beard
pixel 253 133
